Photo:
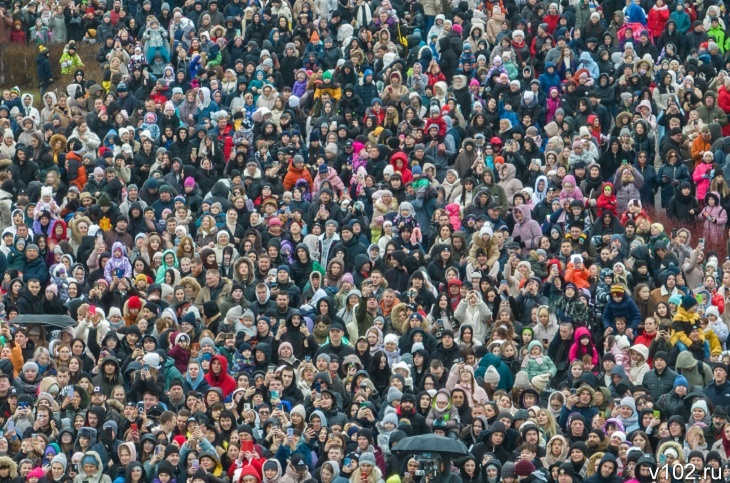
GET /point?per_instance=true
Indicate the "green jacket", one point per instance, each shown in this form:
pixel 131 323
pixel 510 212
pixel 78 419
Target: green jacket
pixel 535 368
pixel 170 372
pixel 720 38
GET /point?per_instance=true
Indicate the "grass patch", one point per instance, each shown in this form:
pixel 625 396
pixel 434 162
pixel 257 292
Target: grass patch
pixel 19 68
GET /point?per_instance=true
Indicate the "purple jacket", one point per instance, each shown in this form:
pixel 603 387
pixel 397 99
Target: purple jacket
pixel 527 229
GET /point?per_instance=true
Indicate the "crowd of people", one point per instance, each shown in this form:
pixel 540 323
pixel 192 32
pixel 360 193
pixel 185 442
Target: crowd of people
pixel 274 239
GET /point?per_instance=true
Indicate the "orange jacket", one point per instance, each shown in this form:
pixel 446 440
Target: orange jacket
pixel 293 175
pixel 698 147
pixel 577 277
pixel 16 357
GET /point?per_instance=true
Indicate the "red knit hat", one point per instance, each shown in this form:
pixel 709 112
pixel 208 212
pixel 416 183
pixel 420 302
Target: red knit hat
pixel 134 303
pixel 524 468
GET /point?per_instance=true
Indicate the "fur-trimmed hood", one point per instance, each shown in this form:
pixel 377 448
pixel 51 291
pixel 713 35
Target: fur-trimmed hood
pixel 10 463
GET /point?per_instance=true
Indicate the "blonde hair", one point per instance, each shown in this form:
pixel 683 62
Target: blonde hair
pixel 551 429
pixel 591 466
pixel 695 430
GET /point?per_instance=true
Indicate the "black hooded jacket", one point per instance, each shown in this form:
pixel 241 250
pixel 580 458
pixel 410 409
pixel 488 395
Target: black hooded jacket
pixel 448 61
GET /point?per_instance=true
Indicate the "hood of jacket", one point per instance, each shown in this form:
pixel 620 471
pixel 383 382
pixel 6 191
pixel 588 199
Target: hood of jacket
pixel 444 44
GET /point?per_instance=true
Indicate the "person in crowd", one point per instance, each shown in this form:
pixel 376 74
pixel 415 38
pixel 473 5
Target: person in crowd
pixel 234 251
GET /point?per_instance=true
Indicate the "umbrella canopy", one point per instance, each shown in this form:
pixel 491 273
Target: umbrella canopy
pixel 60 321
pixel 429 443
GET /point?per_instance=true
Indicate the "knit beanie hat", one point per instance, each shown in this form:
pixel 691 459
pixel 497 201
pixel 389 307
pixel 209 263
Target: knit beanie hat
pixel 60 458
pixel 524 468
pixel 688 302
pixel 508 470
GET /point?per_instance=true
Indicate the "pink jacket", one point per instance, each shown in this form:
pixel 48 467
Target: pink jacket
pixel 714 230
pixel 574 353
pixel 576 194
pixel 702 183
pixel 622 357
pixel 454 211
pixel 332 177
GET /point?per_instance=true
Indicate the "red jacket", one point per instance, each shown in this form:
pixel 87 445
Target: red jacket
pixel 552 21
pixel 657 19
pixel 405 172
pixel 159 97
pixel 723 102
pixel 380 116
pixel 223 381
pixel 255 466
pixel 18 37
pixel 438 121
pixel 432 79
pixel 607 203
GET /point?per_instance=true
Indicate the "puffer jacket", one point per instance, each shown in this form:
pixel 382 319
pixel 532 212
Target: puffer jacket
pixel 671 403
pixel 475 316
pixel 659 384
pixel 701 177
pixel 538 365
pixel 628 191
pixel 509 183
pixel 526 232
pixel 714 228
pixel 57 26
pixel 682 320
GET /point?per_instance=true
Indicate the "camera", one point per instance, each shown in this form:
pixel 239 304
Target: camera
pixel 428 465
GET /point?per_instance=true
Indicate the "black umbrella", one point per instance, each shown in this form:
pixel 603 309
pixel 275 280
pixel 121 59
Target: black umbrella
pixel 430 443
pixel 60 321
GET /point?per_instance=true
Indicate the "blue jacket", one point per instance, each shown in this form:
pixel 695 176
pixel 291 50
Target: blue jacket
pixel 587 412
pixel 718 395
pixel 548 80
pixel 626 308
pixel 367 91
pixel 634 13
pixel 36 269
pixel 587 61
